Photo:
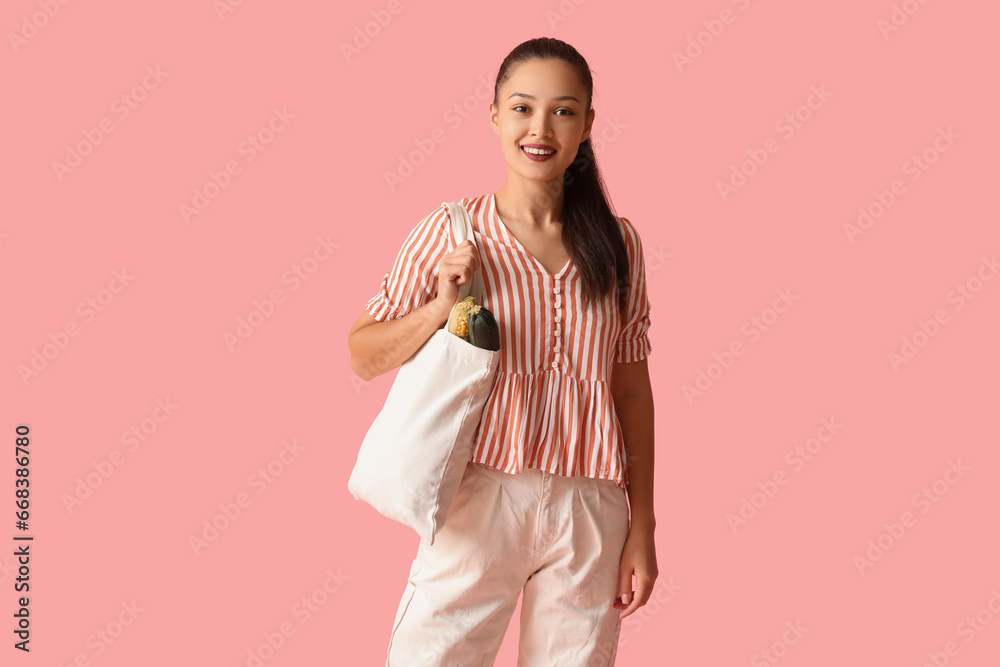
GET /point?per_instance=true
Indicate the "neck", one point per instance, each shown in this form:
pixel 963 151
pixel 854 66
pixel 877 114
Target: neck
pixel 533 203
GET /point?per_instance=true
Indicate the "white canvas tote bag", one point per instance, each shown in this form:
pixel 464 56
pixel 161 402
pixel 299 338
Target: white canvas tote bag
pixel 412 460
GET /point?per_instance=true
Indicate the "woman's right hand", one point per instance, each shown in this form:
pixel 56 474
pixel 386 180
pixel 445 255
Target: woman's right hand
pixel 455 268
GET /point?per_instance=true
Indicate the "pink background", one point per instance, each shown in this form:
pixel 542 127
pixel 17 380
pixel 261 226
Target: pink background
pixel 671 135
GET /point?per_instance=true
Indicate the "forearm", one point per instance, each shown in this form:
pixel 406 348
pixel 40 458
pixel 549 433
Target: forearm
pixel 635 414
pixel 378 348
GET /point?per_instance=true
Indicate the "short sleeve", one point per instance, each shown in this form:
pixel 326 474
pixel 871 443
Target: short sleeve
pixel 412 280
pixel 633 340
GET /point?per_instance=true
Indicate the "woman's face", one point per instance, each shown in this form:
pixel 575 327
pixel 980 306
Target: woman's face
pixel 542 103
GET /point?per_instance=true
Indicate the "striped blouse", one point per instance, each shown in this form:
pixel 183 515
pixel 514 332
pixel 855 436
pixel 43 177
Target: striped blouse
pixel 551 406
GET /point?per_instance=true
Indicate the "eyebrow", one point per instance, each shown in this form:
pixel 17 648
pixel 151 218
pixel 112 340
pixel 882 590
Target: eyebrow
pixel 557 99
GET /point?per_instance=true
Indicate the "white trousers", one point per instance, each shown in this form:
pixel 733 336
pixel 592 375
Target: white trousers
pixel 558 538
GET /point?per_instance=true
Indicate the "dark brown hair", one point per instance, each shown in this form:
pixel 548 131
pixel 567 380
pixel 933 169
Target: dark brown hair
pixel 590 230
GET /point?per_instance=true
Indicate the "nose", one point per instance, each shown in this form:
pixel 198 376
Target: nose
pixel 540 126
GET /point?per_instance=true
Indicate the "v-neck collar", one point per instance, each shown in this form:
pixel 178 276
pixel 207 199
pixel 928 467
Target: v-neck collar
pixel 510 240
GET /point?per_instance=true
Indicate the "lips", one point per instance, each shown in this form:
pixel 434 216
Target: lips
pixel 539 147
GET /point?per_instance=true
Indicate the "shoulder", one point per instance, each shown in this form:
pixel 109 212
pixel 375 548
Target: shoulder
pixel 626 226
pixel 474 206
pixel 630 233
pixel 431 234
pixel 441 216
pixel 437 222
pixel 475 202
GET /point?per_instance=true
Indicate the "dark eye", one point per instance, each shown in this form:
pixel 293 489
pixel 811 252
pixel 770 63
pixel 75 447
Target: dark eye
pixel 522 106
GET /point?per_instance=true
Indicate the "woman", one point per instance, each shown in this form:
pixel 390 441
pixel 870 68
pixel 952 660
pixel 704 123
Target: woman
pixel 543 507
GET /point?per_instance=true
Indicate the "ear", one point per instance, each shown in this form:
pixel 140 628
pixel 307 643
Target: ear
pixel 589 124
pixel 494 120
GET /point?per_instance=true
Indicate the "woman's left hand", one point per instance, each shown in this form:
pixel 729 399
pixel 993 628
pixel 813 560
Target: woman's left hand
pixel 639 558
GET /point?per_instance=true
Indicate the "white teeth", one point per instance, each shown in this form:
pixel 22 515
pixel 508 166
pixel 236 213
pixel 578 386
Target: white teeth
pixel 537 151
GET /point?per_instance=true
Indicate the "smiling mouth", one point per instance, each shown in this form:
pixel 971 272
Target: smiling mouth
pixel 537 151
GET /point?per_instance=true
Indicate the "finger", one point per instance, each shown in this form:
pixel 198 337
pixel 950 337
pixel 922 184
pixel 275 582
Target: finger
pixel 470 260
pixel 630 607
pixel 459 263
pixel 643 587
pixel 643 590
pixel 469 250
pixel 456 268
pixel 625 586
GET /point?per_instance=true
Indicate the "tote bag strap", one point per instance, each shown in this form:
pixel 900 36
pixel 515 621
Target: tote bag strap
pixel 461 224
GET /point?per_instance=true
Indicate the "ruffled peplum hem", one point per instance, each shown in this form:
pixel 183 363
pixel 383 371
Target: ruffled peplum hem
pixel 553 422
